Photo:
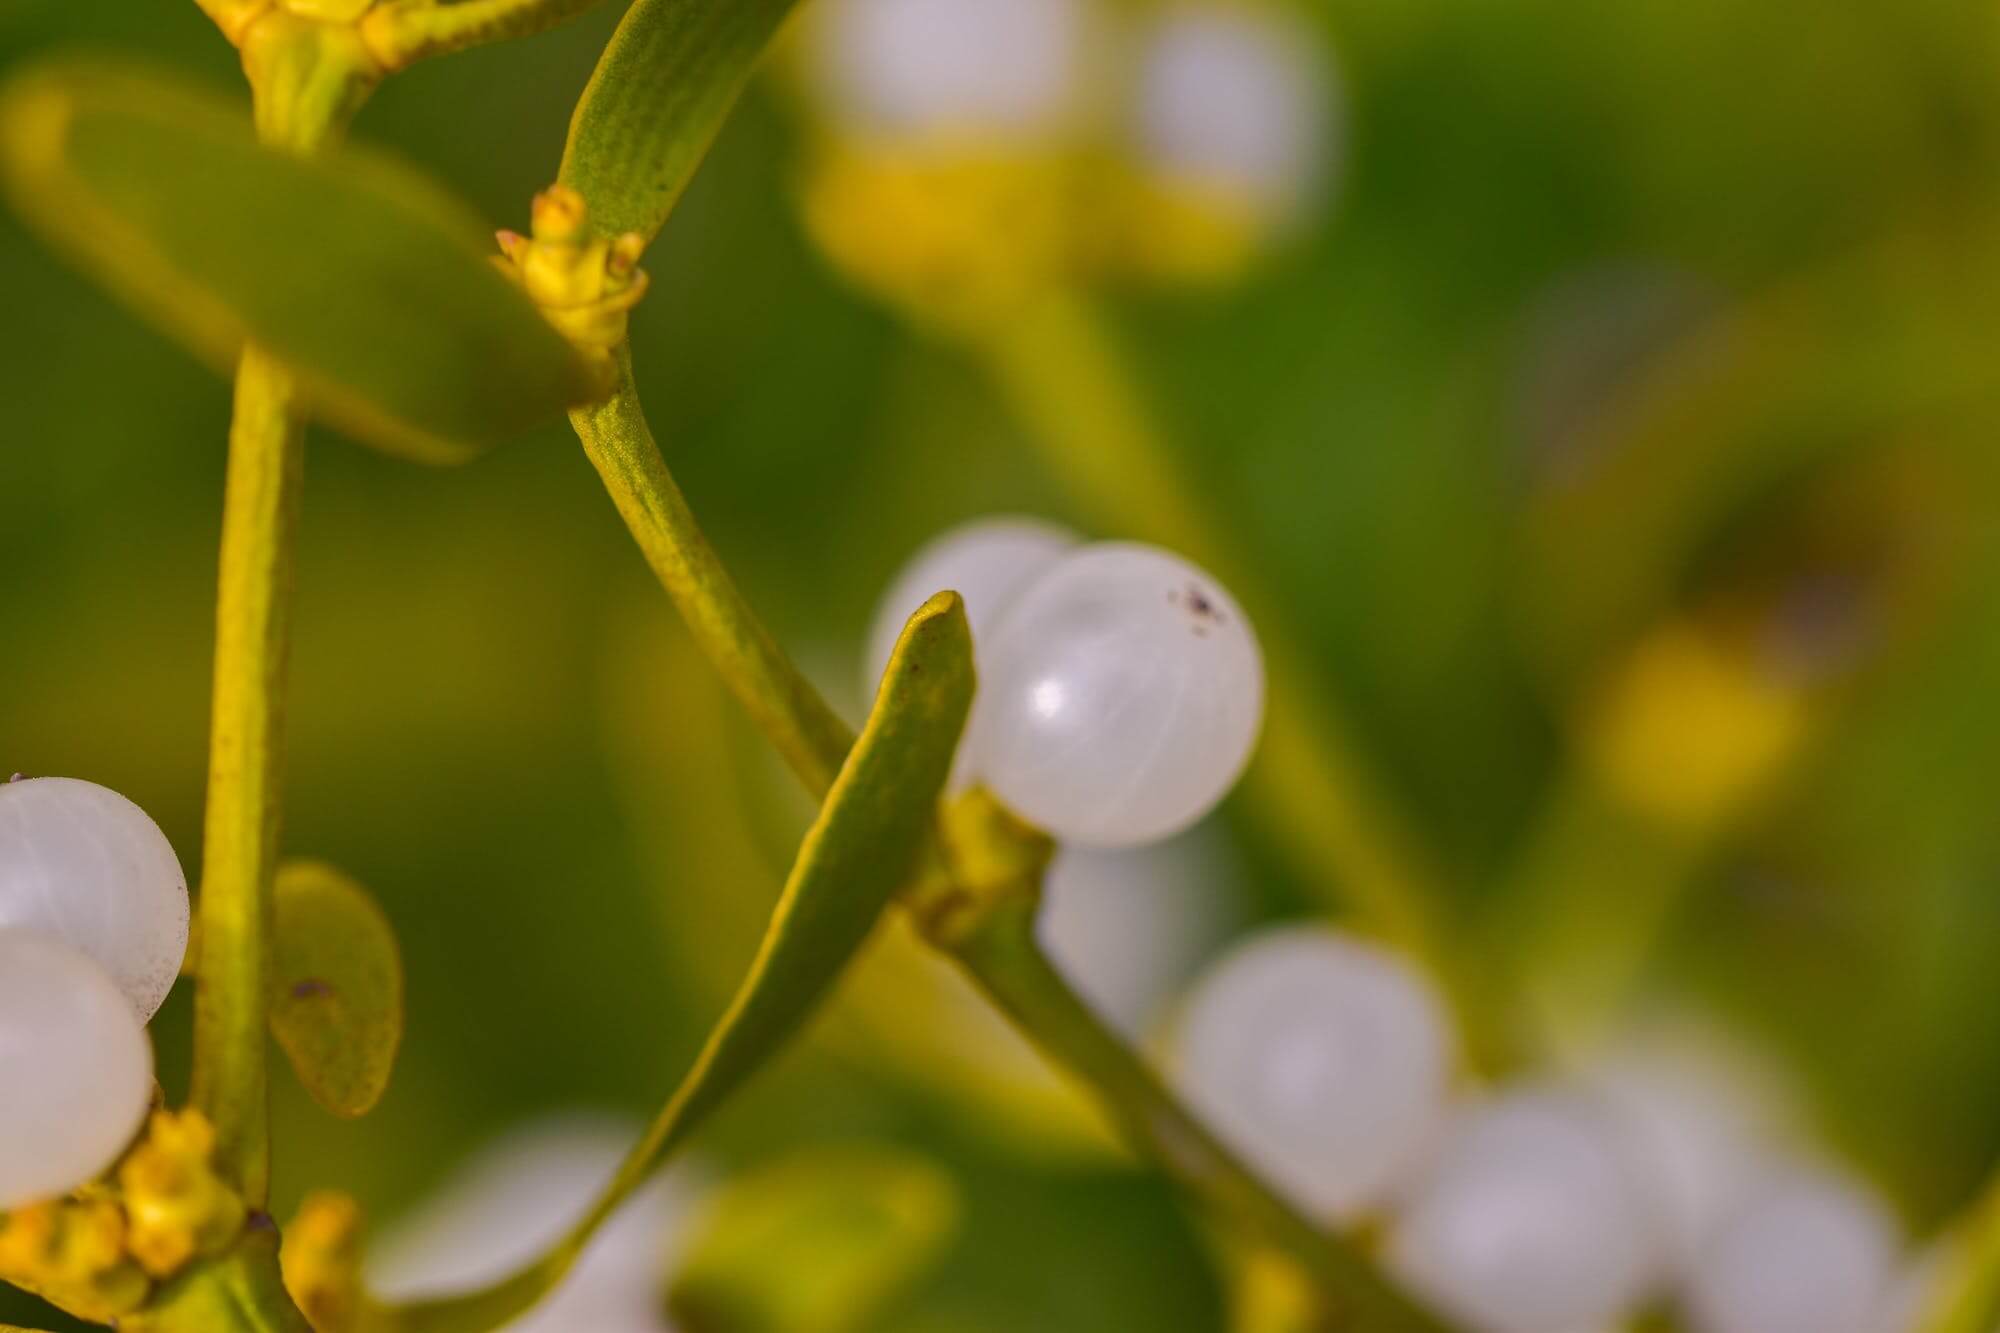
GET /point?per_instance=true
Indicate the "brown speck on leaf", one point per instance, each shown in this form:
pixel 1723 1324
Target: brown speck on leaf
pixel 312 988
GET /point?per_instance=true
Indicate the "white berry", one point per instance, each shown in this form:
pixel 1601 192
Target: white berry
pixel 973 67
pixel 1120 696
pixel 1234 102
pixel 76 1070
pixel 512 1200
pixel 1129 927
pixel 1804 1252
pixel 1323 1059
pixel 1528 1221
pixel 82 863
pixel 985 562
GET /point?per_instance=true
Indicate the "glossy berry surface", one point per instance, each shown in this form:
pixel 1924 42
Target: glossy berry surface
pixel 76 1070
pixel 986 562
pixel 1323 1059
pixel 85 865
pixel 1529 1220
pixel 1120 696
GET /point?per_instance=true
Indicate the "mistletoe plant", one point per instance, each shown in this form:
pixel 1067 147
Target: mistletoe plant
pixel 340 286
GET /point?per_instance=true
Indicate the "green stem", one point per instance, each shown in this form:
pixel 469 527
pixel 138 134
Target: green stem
pixel 811 737
pixel 1063 375
pixel 305 92
pixel 1001 953
pixel 1967 1298
pixel 260 516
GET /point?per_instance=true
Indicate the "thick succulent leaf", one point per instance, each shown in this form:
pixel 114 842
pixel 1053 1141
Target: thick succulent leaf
pixel 660 93
pixel 850 1229
pixel 337 987
pixel 367 280
pixel 859 850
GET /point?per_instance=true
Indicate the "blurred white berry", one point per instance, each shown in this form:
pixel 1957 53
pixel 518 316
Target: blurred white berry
pixel 514 1198
pixel 986 562
pixel 85 865
pixel 1529 1220
pixel 1130 927
pixel 1236 101
pixel 924 67
pixel 1120 696
pixel 1693 1135
pixel 76 1070
pixel 1325 1060
pixel 1803 1252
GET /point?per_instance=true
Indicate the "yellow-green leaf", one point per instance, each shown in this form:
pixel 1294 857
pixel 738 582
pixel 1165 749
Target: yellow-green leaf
pixel 366 279
pixel 858 852
pixel 336 987
pixel 850 1228
pixel 660 93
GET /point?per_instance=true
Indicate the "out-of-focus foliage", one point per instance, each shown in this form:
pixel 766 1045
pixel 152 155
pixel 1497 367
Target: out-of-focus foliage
pixel 1792 472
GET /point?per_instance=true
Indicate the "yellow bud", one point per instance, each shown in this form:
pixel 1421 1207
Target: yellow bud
pixel 177 1206
pixel 321 1259
pixel 586 288
pixel 958 235
pixel 71 1252
pixel 559 215
pixel 1688 731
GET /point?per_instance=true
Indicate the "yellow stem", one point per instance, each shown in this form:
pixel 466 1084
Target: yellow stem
pixel 260 515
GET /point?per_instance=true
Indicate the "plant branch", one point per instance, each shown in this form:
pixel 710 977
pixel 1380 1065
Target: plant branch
pixel 260 516
pixel 402 32
pixel 810 736
pixel 1966 1298
pixel 1001 953
pixel 1061 372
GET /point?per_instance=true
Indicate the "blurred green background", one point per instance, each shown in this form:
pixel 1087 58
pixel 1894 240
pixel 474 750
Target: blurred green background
pixel 1670 312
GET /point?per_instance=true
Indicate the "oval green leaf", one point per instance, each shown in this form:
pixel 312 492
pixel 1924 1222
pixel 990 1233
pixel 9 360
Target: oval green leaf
pixel 859 851
pixel 368 281
pixel 850 1228
pixel 659 95
pixel 336 987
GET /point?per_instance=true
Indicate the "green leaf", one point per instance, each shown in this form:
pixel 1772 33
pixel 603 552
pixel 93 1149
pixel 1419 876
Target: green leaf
pixel 336 987
pixel 660 93
pixel 850 1228
pixel 859 850
pixel 364 278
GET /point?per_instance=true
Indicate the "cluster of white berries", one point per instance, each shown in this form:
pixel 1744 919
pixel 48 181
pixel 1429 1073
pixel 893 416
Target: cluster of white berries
pixel 1222 98
pixel 1558 1206
pixel 1121 689
pixel 93 928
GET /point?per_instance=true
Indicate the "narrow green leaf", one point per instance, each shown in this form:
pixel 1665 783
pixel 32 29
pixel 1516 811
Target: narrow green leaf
pixel 850 1228
pixel 336 987
pixel 364 278
pixel 401 32
pixel 859 850
pixel 660 93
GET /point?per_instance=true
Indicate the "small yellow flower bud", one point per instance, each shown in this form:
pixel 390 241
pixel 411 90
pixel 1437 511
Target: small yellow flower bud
pixel 178 1207
pixel 322 1261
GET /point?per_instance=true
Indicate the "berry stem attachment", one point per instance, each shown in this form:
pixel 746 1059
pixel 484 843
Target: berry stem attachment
pixel 1062 373
pixel 1001 953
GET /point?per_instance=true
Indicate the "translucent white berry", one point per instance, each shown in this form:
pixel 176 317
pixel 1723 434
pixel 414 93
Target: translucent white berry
pixel 1120 696
pixel 1528 1220
pixel 985 562
pixel 85 865
pixel 515 1197
pixel 1234 101
pixel 1324 1060
pixel 76 1070
pixel 1129 927
pixel 1804 1252
pixel 915 67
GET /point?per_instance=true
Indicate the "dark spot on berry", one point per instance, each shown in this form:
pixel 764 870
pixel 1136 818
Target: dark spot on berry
pixel 312 988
